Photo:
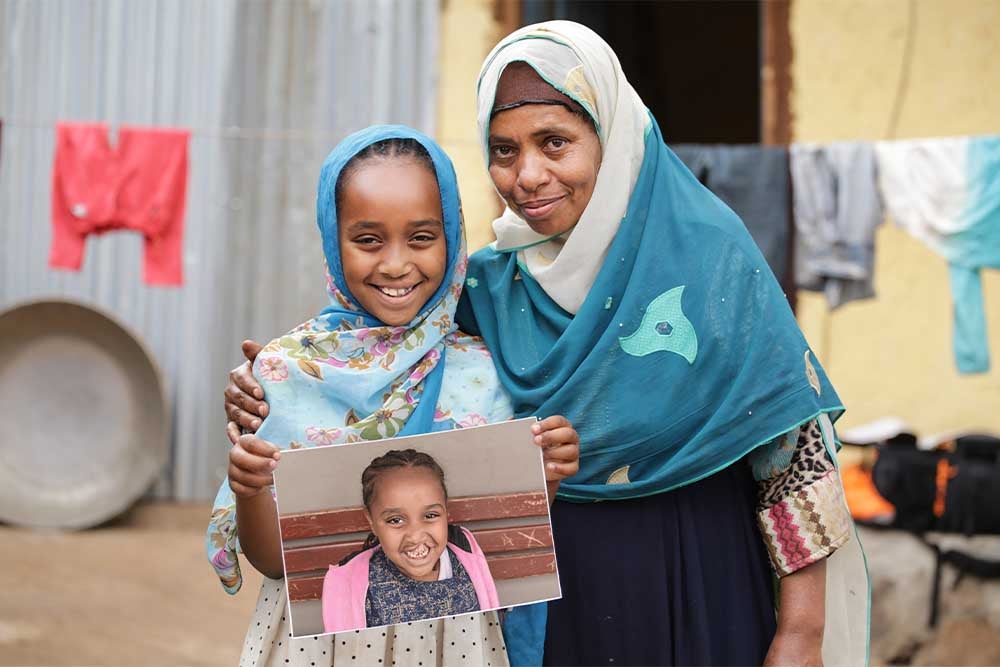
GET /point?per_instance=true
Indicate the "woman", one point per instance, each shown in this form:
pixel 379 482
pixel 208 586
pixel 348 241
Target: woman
pixel 625 296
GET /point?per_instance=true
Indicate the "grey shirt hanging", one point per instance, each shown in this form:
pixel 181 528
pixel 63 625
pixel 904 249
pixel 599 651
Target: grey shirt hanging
pixel 837 209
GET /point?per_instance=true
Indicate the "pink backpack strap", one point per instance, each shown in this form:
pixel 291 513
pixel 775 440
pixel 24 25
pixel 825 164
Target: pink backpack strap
pixel 344 590
pixel 475 564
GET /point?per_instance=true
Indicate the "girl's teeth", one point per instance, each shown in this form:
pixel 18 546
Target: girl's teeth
pixel 418 552
pixel 396 292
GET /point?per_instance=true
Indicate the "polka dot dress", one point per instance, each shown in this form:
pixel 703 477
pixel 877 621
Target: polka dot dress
pixel 472 639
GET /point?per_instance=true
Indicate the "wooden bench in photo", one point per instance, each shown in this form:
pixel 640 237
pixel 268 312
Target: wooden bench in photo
pixel 512 530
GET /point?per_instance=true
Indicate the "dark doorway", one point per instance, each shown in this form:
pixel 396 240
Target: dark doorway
pixel 696 64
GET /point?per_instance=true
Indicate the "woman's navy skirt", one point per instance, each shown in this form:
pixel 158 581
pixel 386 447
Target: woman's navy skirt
pixel 679 578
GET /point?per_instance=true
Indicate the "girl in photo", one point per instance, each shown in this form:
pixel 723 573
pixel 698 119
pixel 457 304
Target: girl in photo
pixel 384 359
pixel 415 565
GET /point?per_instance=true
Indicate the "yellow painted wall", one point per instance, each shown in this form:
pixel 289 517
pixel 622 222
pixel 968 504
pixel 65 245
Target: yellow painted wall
pixel 893 355
pixel 468 33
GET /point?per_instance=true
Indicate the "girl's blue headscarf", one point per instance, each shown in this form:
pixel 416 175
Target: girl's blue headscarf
pixel 326 211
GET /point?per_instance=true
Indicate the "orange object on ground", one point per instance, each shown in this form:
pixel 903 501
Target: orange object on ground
pixel 945 471
pixel 863 499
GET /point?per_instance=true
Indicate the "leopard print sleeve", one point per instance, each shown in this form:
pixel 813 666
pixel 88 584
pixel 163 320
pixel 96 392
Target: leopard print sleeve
pixel 801 510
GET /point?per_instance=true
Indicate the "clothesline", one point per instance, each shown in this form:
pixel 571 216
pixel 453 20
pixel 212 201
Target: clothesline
pixel 292 134
pixel 223 132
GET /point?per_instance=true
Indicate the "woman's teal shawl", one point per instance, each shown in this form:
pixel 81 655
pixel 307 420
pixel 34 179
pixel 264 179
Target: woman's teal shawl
pixel 683 357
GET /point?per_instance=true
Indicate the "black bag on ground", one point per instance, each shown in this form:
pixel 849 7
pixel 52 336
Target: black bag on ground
pixel 956 492
pixel 944 491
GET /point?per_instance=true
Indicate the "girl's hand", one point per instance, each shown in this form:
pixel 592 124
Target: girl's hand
pixel 251 464
pixel 243 406
pixel 560 445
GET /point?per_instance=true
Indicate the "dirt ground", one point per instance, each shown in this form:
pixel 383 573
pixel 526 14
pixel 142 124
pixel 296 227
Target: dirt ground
pixel 137 591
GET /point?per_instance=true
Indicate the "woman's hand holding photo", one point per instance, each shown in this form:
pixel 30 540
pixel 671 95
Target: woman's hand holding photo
pixel 560 445
pixel 245 408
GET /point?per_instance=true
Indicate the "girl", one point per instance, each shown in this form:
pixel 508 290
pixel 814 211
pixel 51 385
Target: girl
pixel 384 359
pixel 407 572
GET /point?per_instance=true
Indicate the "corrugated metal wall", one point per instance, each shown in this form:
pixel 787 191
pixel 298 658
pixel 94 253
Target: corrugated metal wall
pixel 267 89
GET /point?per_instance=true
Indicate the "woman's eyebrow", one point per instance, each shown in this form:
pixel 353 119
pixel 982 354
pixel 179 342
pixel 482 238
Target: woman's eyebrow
pixel 551 129
pixel 535 134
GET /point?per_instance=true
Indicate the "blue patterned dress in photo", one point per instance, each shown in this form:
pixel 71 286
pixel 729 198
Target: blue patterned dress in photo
pixel 394 598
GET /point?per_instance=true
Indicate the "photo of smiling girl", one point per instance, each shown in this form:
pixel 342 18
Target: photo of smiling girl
pixel 415 565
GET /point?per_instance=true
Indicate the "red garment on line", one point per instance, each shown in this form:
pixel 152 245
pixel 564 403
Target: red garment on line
pixel 138 185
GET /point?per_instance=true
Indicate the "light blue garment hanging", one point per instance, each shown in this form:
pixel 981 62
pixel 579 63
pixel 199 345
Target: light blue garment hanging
pixel 973 249
pixel 946 192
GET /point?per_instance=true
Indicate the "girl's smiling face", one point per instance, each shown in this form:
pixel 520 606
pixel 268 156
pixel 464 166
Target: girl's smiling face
pixel 391 233
pixel 409 515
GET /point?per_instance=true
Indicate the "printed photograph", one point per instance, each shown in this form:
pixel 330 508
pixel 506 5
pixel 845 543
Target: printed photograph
pixel 414 528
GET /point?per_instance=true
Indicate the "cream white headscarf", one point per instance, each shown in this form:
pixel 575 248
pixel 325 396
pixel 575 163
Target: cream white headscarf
pixel 578 63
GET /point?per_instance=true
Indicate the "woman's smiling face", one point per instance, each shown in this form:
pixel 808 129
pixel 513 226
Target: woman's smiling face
pixel 544 161
pixel 409 516
pixel 391 233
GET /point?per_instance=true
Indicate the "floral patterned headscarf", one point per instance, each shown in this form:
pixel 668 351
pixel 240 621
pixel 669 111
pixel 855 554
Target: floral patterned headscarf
pixel 345 377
